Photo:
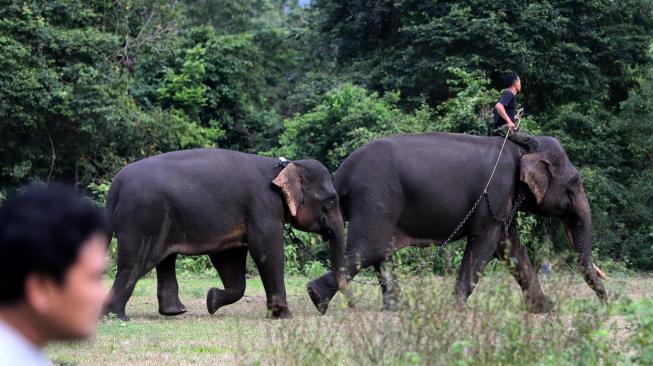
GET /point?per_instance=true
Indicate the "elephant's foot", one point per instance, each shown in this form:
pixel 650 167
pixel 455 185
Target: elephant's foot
pixel 391 298
pixel 279 312
pixel 215 299
pixel 320 296
pixel 123 317
pixel 390 303
pixel 111 310
pixel 539 304
pixel 169 303
pixel 109 314
pixel 172 309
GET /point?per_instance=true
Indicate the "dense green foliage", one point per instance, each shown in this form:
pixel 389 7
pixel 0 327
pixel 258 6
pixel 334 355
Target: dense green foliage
pixel 89 86
pixel 66 110
pixel 564 50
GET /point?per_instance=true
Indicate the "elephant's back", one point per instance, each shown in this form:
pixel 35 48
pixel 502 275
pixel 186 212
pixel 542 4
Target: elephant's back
pixel 372 160
pixel 187 182
pixel 191 159
pixel 189 167
pixel 418 153
pixel 449 146
pixel 431 173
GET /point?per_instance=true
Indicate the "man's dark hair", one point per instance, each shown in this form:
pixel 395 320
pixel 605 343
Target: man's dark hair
pixel 510 79
pixel 42 231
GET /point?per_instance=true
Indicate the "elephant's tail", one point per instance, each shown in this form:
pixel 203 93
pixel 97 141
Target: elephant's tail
pixel 110 206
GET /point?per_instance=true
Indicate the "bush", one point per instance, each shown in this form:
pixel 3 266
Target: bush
pixel 432 329
pixel 347 118
pixel 641 314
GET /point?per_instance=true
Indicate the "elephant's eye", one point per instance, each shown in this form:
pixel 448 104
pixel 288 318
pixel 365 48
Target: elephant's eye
pixel 570 197
pixel 329 203
pixel 574 181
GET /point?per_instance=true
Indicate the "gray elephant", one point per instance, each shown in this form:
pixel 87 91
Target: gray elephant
pixel 414 189
pixel 221 203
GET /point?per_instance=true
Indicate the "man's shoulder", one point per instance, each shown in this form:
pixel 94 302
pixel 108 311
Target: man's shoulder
pixel 507 97
pixel 15 350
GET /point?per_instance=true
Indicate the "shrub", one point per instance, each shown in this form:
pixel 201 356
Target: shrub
pixel 641 313
pixel 432 328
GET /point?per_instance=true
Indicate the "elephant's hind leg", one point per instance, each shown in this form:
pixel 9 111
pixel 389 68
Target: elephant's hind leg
pixel 168 288
pixel 134 260
pixel 231 265
pixel 513 253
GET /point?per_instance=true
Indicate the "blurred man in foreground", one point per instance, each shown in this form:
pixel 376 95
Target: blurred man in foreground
pixel 52 261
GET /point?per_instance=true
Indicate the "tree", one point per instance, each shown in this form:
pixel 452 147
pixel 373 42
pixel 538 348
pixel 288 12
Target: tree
pixel 565 51
pixel 349 116
pixel 65 110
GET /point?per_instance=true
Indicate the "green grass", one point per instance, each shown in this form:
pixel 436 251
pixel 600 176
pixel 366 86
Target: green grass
pixel 192 338
pixel 491 329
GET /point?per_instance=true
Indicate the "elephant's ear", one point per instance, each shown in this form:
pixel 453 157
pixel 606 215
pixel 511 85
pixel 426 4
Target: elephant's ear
pixel 536 174
pixel 290 182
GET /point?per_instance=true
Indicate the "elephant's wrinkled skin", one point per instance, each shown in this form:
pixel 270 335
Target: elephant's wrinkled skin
pixel 221 203
pixel 414 189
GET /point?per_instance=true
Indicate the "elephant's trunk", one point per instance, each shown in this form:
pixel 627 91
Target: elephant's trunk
pixel 578 229
pixel 337 251
pixel 570 239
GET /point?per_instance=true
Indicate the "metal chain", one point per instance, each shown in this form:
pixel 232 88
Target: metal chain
pixel 506 223
pixel 521 197
pixel 300 244
pixel 420 267
pixel 508 219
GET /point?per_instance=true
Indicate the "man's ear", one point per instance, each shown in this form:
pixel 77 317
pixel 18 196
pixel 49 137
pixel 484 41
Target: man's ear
pixel 38 291
pixel 535 172
pixel 291 183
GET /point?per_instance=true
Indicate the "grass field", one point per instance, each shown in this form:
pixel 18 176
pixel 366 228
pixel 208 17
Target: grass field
pixel 491 329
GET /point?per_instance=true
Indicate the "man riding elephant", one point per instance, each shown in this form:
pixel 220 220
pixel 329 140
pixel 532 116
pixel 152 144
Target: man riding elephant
pixel 506 114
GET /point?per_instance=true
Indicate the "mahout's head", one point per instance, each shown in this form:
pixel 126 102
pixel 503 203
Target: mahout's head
pixel 513 81
pixel 53 244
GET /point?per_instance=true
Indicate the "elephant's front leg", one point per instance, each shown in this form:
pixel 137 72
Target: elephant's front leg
pixel 266 247
pixel 389 285
pixel 167 288
pixel 481 246
pixel 368 243
pixel 513 253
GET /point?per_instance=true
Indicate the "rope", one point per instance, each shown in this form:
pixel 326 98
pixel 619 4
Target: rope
pixel 499 157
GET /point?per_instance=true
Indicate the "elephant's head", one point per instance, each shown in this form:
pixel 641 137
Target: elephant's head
pixel 312 203
pixel 557 190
